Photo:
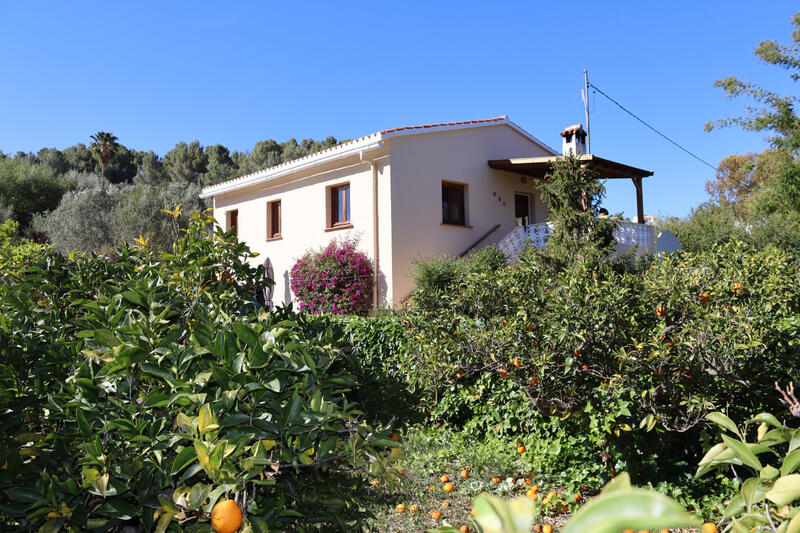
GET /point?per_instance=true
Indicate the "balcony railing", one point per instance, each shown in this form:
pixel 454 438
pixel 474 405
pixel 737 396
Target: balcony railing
pixel 627 234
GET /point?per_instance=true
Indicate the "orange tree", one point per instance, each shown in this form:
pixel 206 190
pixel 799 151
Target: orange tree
pixel 608 365
pixel 140 389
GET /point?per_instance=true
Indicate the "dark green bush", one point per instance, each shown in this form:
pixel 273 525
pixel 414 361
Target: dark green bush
pixel 139 389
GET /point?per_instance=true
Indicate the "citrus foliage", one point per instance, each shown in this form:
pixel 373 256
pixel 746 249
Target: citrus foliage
pixel 609 352
pixel 140 389
pixel 16 253
pixel 767 463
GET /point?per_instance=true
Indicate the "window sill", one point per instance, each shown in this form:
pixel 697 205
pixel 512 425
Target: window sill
pixel 275 238
pixel 457 225
pixel 338 227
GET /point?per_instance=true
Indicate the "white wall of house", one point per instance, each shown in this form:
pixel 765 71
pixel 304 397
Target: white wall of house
pixel 303 197
pixel 410 171
pixel 419 165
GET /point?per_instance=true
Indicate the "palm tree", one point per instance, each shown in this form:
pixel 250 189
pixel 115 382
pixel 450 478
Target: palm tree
pixel 104 147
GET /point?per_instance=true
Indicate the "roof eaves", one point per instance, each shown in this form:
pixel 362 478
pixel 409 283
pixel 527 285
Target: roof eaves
pixel 329 154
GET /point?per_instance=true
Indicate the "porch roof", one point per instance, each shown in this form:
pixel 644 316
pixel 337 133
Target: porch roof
pixel 537 167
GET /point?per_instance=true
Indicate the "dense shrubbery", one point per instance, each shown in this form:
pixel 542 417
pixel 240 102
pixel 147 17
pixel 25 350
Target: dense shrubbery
pixel 140 388
pixel 336 279
pixel 16 253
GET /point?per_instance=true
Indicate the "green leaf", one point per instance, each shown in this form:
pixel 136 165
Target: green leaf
pixel 790 462
pixel 83 425
pixel 157 398
pixel 106 338
pixel 794 525
pixel 629 508
pixel 768 419
pixel 206 420
pixel 118 508
pixel 155 370
pixel 743 453
pixel 246 335
pixel 186 457
pixel 723 421
pixel 23 495
pixel 496 515
pixel 621 482
pixel 785 490
pixel 769 473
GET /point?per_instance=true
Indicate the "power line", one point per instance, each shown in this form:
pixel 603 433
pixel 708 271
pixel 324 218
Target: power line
pixel 593 86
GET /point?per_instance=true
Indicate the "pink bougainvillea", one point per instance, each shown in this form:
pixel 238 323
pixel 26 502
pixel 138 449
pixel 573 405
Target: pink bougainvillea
pixel 336 279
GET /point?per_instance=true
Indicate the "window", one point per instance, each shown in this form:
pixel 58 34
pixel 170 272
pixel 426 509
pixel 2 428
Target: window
pixel 274 220
pixel 453 204
pixel 339 206
pixel 233 221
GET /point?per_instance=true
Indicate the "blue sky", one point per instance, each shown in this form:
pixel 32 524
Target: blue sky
pixel 155 73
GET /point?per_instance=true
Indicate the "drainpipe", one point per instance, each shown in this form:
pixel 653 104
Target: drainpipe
pixel 375 241
pixel 375 232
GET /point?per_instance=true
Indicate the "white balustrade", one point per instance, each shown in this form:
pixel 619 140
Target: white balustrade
pixel 627 235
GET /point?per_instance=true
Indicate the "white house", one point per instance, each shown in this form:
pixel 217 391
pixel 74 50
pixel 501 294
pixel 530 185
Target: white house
pixel 407 193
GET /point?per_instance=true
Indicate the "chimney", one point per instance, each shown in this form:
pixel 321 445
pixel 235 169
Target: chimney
pixel 574 140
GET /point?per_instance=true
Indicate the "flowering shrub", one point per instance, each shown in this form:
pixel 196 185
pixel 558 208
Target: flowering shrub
pixel 336 279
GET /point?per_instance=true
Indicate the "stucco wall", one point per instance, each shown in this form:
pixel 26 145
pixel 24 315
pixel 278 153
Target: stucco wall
pixel 419 165
pixel 303 213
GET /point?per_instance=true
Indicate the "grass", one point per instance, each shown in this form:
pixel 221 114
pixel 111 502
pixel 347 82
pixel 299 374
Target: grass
pixel 429 454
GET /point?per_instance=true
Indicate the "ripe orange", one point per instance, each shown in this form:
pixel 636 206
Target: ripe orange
pixel 374 483
pixel 665 530
pixel 465 473
pixel 532 494
pixel 737 287
pixel 413 509
pixel 533 381
pixel 464 529
pixel 496 480
pixel 703 297
pixel 535 488
pixel 661 311
pixel 226 517
pixel 528 481
pixel 436 515
pixel 516 362
pixel 502 372
pixel 400 508
pixel 459 374
pixel 537 528
pixel 444 479
pixel 394 437
pixel 584 366
pixel 521 448
pixel 448 487
pixel 709 527
pixel 547 528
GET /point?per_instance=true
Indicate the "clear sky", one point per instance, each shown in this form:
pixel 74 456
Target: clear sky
pixel 156 73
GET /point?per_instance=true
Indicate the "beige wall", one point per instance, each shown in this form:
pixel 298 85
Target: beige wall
pixel 303 213
pixel 419 165
pixel 410 172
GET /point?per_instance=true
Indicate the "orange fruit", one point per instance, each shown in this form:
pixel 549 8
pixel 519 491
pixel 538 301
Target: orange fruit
pixel 528 481
pixel 521 448
pixel 537 528
pixel 661 311
pixel 459 374
pixel 444 479
pixel 577 497
pixel 516 362
pixel 413 509
pixel 737 287
pixel 665 530
pixel 473 512
pixel 448 487
pixel 464 529
pixel 534 381
pixel 532 494
pixel 465 473
pixel 436 515
pixel 400 508
pixel 394 437
pixel 445 504
pixel 502 372
pixel 374 483
pixel 628 531
pixel 226 517
pixel 584 366
pixel 709 527
pixel 496 480
pixel 703 297
pixel 547 528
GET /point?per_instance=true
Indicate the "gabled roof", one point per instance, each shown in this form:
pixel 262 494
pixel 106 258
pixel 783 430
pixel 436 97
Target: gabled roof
pixel 373 140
